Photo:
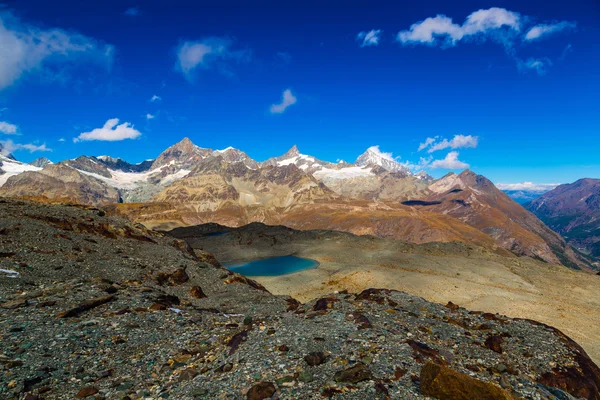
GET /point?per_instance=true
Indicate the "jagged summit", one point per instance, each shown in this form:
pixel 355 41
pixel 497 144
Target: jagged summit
pixel 41 162
pixel 183 153
pixel 109 159
pixel 293 152
pixel 233 155
pixel 424 176
pixel 373 156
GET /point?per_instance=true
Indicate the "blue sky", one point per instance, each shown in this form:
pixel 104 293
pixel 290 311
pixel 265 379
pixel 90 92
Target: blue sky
pixel 511 86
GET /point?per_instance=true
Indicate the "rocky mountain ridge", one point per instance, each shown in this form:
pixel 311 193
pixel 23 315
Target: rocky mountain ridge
pixel 189 185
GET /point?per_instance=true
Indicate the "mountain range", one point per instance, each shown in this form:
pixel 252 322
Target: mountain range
pixel 573 210
pixel 376 195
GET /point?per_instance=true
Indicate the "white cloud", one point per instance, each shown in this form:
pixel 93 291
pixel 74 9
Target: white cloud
pixel 25 49
pixel 457 142
pixel 209 53
pixel 111 131
pixel 150 116
pixel 480 23
pixel 428 142
pixel 155 98
pixel 539 65
pixel 538 31
pixel 7 128
pixel 527 186
pixel 450 162
pixel 132 11
pixel 387 156
pixel 370 38
pixel 287 100
pixel 8 146
pixel 421 165
pixel 62 140
pixel 496 24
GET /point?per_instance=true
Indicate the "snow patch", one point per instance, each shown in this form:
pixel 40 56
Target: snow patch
pixel 131 180
pixel 342 173
pixel 12 168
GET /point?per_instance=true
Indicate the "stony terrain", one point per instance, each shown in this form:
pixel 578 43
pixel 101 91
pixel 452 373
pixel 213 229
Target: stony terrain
pixel 95 307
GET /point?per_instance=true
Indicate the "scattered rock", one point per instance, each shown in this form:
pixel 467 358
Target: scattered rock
pixel 358 373
pixel 283 348
pixel 324 304
pixel 157 307
pixel 316 358
pixel 85 306
pixel 362 321
pixel 11 305
pixel 86 392
pixel 447 384
pixel 179 277
pixel 225 367
pixel 197 293
pixel 572 381
pixel 236 340
pixel 305 376
pixel 422 352
pixel 261 391
pixel 494 343
pixel 188 374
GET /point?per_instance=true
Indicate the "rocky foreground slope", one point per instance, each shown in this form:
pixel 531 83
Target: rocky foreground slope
pixel 94 307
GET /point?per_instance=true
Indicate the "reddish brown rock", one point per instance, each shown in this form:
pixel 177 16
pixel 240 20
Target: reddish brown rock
pixel 447 384
pixel 157 307
pixel 324 304
pixel 261 391
pixel 358 373
pixel 494 343
pixel 179 277
pixel 197 292
pixel 421 352
pixel 86 392
pixel 11 305
pixel 316 358
pixel 85 306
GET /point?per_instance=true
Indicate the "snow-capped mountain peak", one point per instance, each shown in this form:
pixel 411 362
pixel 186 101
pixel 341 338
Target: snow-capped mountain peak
pixel 374 156
pixel 108 159
pixel 9 166
pixel 293 152
pixel 233 155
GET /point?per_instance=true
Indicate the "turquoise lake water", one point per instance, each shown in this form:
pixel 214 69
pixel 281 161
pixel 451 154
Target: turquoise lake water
pixel 273 266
